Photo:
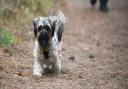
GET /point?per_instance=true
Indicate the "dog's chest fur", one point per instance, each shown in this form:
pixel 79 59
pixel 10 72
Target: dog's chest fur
pixel 52 50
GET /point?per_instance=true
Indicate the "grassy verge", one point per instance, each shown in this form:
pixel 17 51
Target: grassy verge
pixel 18 11
pixel 16 16
pixel 6 38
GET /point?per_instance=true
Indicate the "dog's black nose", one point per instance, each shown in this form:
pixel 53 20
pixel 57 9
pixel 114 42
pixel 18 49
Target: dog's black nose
pixel 44 36
pixel 44 31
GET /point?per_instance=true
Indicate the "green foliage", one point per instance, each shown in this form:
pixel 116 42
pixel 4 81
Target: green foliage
pixel 17 14
pixel 6 38
pixel 20 11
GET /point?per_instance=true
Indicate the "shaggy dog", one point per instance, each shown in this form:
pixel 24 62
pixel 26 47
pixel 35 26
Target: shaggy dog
pixel 48 34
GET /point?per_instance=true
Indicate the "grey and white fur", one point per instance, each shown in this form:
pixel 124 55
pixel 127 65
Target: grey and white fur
pixel 48 42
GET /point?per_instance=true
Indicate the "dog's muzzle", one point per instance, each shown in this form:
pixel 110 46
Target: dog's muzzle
pixel 43 39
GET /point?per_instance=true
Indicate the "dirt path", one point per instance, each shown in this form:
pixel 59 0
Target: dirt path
pixel 97 41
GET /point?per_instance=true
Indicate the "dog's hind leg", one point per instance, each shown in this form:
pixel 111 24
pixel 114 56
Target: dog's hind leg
pixel 56 66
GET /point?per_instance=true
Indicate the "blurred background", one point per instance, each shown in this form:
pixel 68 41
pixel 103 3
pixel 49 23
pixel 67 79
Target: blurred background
pixel 16 16
pixel 95 45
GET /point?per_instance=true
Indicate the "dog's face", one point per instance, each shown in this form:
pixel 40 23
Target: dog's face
pixel 43 31
pixel 43 35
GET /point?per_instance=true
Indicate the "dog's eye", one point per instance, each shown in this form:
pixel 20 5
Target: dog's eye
pixel 47 27
pixel 40 28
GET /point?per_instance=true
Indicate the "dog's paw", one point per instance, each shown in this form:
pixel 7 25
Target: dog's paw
pixel 37 74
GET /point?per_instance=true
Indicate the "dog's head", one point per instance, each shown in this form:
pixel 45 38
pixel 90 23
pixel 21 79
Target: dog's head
pixel 43 31
pixel 44 28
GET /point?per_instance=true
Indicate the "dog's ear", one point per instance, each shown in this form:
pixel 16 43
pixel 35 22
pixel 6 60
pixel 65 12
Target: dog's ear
pixel 60 32
pixel 59 23
pixel 35 26
pixel 53 26
pixel 57 27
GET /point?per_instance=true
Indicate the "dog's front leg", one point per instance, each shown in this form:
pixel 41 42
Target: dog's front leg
pixel 38 69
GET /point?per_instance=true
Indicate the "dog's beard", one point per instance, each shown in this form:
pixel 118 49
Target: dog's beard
pixel 43 40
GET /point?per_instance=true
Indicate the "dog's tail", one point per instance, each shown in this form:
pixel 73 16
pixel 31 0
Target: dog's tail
pixel 60 17
pixel 57 17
